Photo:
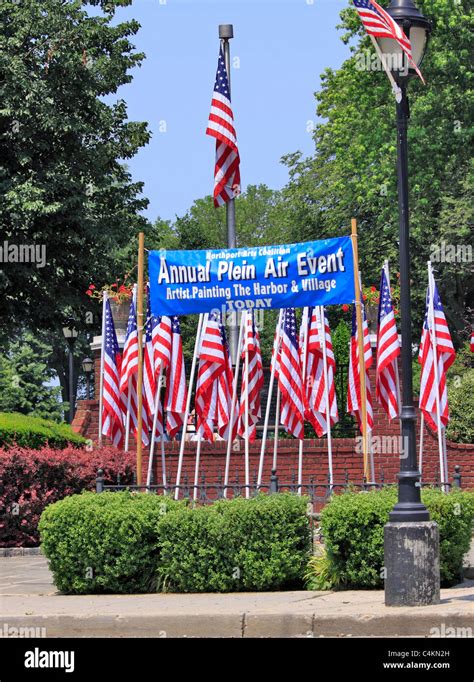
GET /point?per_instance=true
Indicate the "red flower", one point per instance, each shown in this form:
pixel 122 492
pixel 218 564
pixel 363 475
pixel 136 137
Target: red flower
pixel 89 292
pixel 364 297
pixel 373 289
pixel 395 311
pixel 345 307
pixel 92 287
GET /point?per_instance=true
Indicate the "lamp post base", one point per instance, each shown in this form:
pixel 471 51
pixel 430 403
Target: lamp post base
pixel 412 564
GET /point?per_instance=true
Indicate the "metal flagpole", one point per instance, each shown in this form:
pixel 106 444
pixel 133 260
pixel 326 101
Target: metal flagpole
pixel 153 430
pixel 196 468
pixel 360 334
pixel 102 362
pixel 303 377
pixel 277 429
pixel 140 285
pixel 322 317
pixel 226 33
pixel 269 399
pixel 127 418
pixel 432 332
pixel 188 405
pixel 235 387
pixel 396 89
pixel 247 430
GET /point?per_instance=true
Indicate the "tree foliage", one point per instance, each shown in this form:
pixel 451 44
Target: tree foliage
pixel 62 181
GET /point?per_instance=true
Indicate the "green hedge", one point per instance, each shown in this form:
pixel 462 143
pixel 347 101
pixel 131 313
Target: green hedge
pixel 34 432
pixel 103 543
pixel 352 526
pixel 129 542
pixel 235 545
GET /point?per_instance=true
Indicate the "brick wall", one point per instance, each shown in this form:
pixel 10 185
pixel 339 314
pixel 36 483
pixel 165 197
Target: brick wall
pixel 347 460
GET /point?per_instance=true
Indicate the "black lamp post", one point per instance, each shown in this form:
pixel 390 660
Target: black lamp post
pixel 71 334
pixel 409 532
pixel 88 366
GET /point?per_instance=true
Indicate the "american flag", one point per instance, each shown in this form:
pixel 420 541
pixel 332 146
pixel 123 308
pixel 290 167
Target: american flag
pixel 129 375
pixel 435 326
pixel 379 23
pixel 472 341
pixel 251 345
pixel 111 417
pixel 211 367
pixel 176 390
pixel 290 379
pixel 388 350
pixel 163 342
pixel 221 126
pixel 316 393
pixel 151 363
pixel 225 394
pixel 354 405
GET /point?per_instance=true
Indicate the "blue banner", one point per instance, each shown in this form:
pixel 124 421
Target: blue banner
pixel 260 277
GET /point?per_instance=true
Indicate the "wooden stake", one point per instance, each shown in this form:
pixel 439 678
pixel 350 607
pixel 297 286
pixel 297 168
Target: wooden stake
pixel 140 285
pixel 360 335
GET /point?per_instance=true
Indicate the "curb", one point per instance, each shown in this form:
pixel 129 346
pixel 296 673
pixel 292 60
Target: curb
pixel 243 625
pixel 20 551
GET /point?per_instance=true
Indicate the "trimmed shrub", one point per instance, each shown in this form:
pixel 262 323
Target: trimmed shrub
pixel 103 543
pixel 461 409
pixel 235 545
pixel 134 542
pixel 32 479
pixel 34 432
pixel 352 526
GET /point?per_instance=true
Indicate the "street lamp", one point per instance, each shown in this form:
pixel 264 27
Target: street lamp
pixel 71 334
pixel 411 539
pixel 88 366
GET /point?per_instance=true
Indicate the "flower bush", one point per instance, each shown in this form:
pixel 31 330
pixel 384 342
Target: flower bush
pixel 32 479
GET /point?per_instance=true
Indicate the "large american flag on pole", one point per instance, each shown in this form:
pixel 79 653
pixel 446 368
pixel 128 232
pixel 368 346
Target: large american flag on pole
pixel 251 345
pixel 111 418
pixel 290 379
pixel 354 405
pixel 221 126
pixel 378 23
pixel 388 350
pixel 129 375
pixel 435 332
pixel 211 366
pixel 316 392
pixel 176 390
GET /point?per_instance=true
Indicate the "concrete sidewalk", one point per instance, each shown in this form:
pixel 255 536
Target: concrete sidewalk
pixel 29 599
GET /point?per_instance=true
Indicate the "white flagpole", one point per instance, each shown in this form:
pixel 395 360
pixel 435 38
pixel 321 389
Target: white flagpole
pixel 188 404
pixel 247 431
pixel 396 90
pixel 127 418
pixel 277 429
pixel 196 468
pixel 153 428
pixel 102 362
pixel 269 399
pixel 432 332
pixel 322 318
pixel 445 459
pixel 163 460
pixel 303 376
pixel 235 387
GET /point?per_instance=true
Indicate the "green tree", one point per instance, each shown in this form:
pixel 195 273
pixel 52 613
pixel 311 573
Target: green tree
pixel 63 184
pixel 25 380
pixel 353 170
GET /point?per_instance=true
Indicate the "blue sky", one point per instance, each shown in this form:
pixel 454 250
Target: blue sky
pixel 280 48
